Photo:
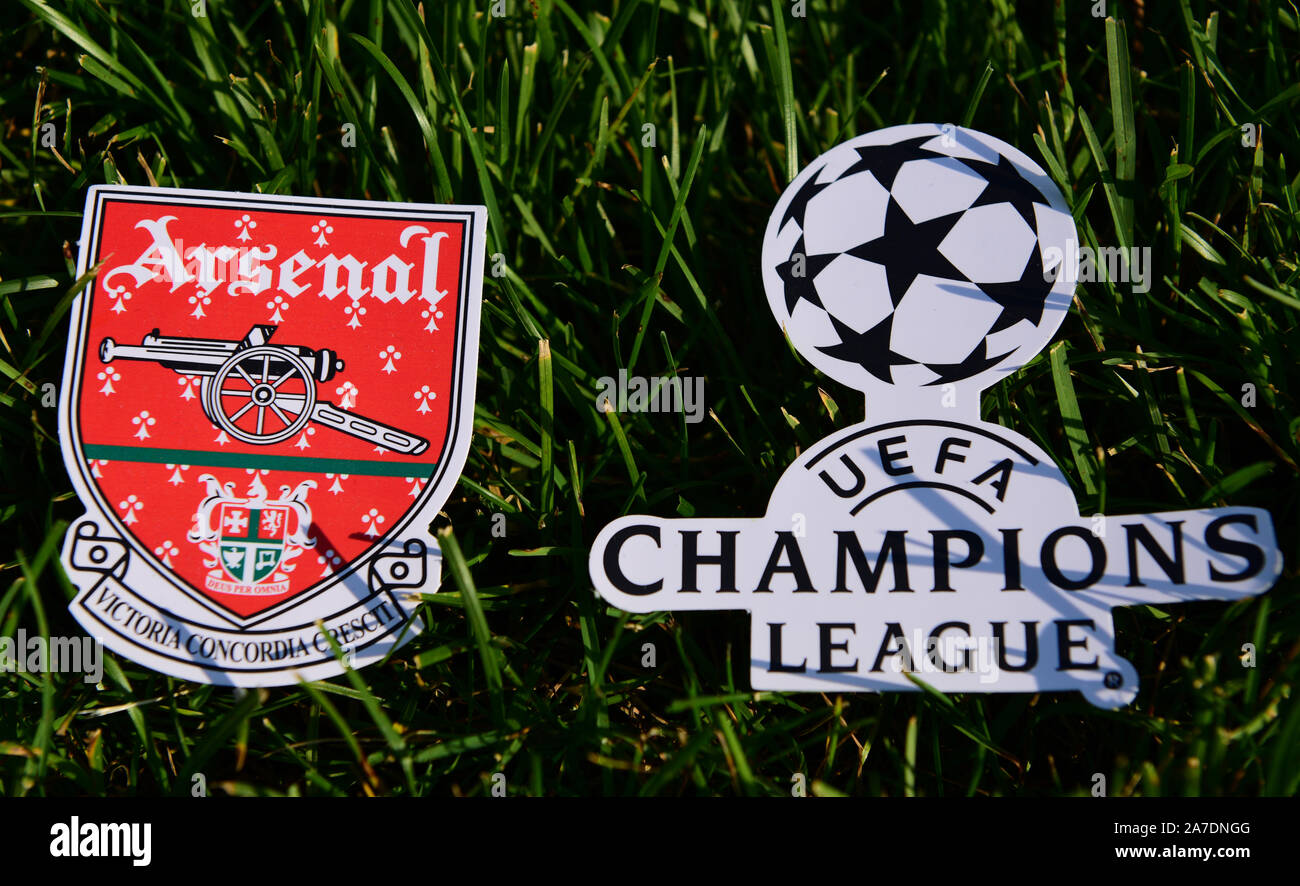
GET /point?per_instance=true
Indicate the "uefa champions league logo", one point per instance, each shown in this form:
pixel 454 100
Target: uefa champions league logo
pixel 921 264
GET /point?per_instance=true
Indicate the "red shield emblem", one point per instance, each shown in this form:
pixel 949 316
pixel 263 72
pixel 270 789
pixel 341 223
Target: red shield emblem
pixel 266 401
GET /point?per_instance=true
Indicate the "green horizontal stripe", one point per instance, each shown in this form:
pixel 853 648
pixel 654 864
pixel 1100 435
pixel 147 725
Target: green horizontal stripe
pixel 272 462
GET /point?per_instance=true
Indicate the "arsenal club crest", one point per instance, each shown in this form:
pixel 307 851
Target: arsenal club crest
pixel 921 264
pixel 266 400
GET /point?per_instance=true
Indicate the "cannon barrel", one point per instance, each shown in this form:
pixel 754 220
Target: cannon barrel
pixel 195 361
pixel 204 356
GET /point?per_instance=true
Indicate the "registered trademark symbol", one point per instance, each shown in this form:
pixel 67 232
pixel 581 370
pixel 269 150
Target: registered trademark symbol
pixel 1113 680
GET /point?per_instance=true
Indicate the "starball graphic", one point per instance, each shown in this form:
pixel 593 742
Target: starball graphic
pixel 920 264
pixel 266 400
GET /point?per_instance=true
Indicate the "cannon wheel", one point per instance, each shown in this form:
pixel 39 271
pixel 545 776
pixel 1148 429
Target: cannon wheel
pixel 262 395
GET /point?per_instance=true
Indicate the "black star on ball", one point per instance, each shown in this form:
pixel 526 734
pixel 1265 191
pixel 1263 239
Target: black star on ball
pixel 1025 298
pixel 797 273
pixel 799 202
pixel 869 349
pixel 884 161
pixel 974 364
pixel 1006 185
pixel 908 249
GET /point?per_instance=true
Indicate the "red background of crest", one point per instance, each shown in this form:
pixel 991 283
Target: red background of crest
pixel 167 506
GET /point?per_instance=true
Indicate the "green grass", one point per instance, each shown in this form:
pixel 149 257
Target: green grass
pixel 621 254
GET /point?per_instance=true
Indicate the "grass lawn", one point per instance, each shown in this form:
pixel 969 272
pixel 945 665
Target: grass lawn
pixel 629 160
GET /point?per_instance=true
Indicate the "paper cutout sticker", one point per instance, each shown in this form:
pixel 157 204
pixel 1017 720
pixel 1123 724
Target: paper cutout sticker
pixel 265 402
pixel 921 264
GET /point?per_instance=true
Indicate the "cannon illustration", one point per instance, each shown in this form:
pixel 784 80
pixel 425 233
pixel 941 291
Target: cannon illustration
pixel 258 392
